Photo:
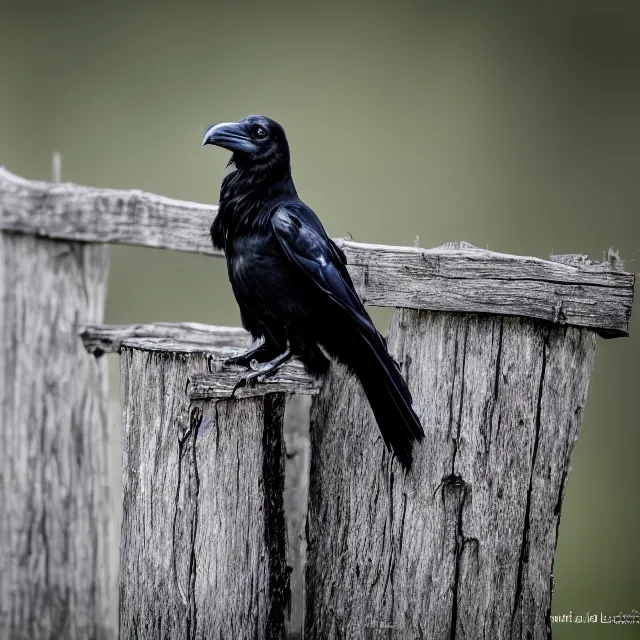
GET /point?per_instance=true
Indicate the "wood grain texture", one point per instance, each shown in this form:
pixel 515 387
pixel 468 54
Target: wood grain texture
pixel 203 552
pixel 218 343
pixel 105 338
pixel 56 570
pixel 462 278
pixel 71 212
pixel 291 378
pixel 214 344
pixel 567 290
pixel 461 547
pixel 296 493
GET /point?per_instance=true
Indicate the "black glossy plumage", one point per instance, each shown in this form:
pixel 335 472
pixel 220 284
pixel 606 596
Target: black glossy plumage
pixel 290 279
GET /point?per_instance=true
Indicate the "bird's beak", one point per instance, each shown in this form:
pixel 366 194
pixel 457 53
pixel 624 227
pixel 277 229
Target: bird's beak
pixel 229 135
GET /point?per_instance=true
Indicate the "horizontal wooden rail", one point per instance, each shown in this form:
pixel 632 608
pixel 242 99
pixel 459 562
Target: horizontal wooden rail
pixel 566 290
pixel 109 338
pixel 71 212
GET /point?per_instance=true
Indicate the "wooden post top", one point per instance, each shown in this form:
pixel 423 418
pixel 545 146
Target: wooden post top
pixel 215 343
pixel 456 277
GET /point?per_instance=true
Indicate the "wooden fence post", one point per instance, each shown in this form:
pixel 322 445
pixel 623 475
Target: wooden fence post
pixel 55 568
pixel 463 545
pixel 203 548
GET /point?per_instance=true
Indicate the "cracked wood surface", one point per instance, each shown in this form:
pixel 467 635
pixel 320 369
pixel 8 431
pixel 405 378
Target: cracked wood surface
pixel 109 338
pixel 457 279
pixel 296 436
pixel 290 378
pixel 203 552
pixel 218 343
pixel 56 566
pixel 89 214
pixel 462 547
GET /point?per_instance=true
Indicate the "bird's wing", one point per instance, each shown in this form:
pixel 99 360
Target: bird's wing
pixel 308 247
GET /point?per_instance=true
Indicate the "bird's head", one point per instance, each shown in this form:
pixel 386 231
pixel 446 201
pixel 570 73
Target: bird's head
pixel 255 140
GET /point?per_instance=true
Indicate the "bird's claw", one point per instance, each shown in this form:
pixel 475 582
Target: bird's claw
pixel 237 361
pixel 254 365
pixel 249 381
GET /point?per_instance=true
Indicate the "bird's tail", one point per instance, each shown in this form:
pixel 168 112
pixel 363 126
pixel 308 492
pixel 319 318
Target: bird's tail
pixel 386 390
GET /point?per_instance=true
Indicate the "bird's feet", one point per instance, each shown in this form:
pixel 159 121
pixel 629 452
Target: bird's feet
pixel 241 360
pixel 250 380
pixel 261 371
pixel 261 354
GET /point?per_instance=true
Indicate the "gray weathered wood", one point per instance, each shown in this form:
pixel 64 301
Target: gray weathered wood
pixel 203 551
pixel 89 214
pixel 291 378
pixel 55 564
pixel 296 492
pixel 467 279
pixel 105 338
pixel 218 343
pixel 462 546
pixel 458 279
pixel 495 460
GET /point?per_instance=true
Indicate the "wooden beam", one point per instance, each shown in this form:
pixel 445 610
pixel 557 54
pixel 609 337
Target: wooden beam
pixel 71 212
pixel 105 338
pixel 566 290
pixel 458 278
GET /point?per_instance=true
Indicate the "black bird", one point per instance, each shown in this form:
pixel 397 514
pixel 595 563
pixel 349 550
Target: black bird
pixel 291 282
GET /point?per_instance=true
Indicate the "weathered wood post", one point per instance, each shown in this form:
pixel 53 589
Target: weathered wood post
pixel 203 548
pixel 497 351
pixel 55 569
pixel 463 545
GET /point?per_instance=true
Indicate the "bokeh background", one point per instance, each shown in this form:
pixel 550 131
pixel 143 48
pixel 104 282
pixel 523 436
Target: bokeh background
pixel 510 127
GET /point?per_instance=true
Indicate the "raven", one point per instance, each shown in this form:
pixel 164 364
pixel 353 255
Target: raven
pixel 291 281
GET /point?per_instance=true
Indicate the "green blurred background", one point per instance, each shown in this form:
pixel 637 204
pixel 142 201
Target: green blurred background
pixel 512 128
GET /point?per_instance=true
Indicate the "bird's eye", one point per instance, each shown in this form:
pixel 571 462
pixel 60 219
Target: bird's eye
pixel 259 132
